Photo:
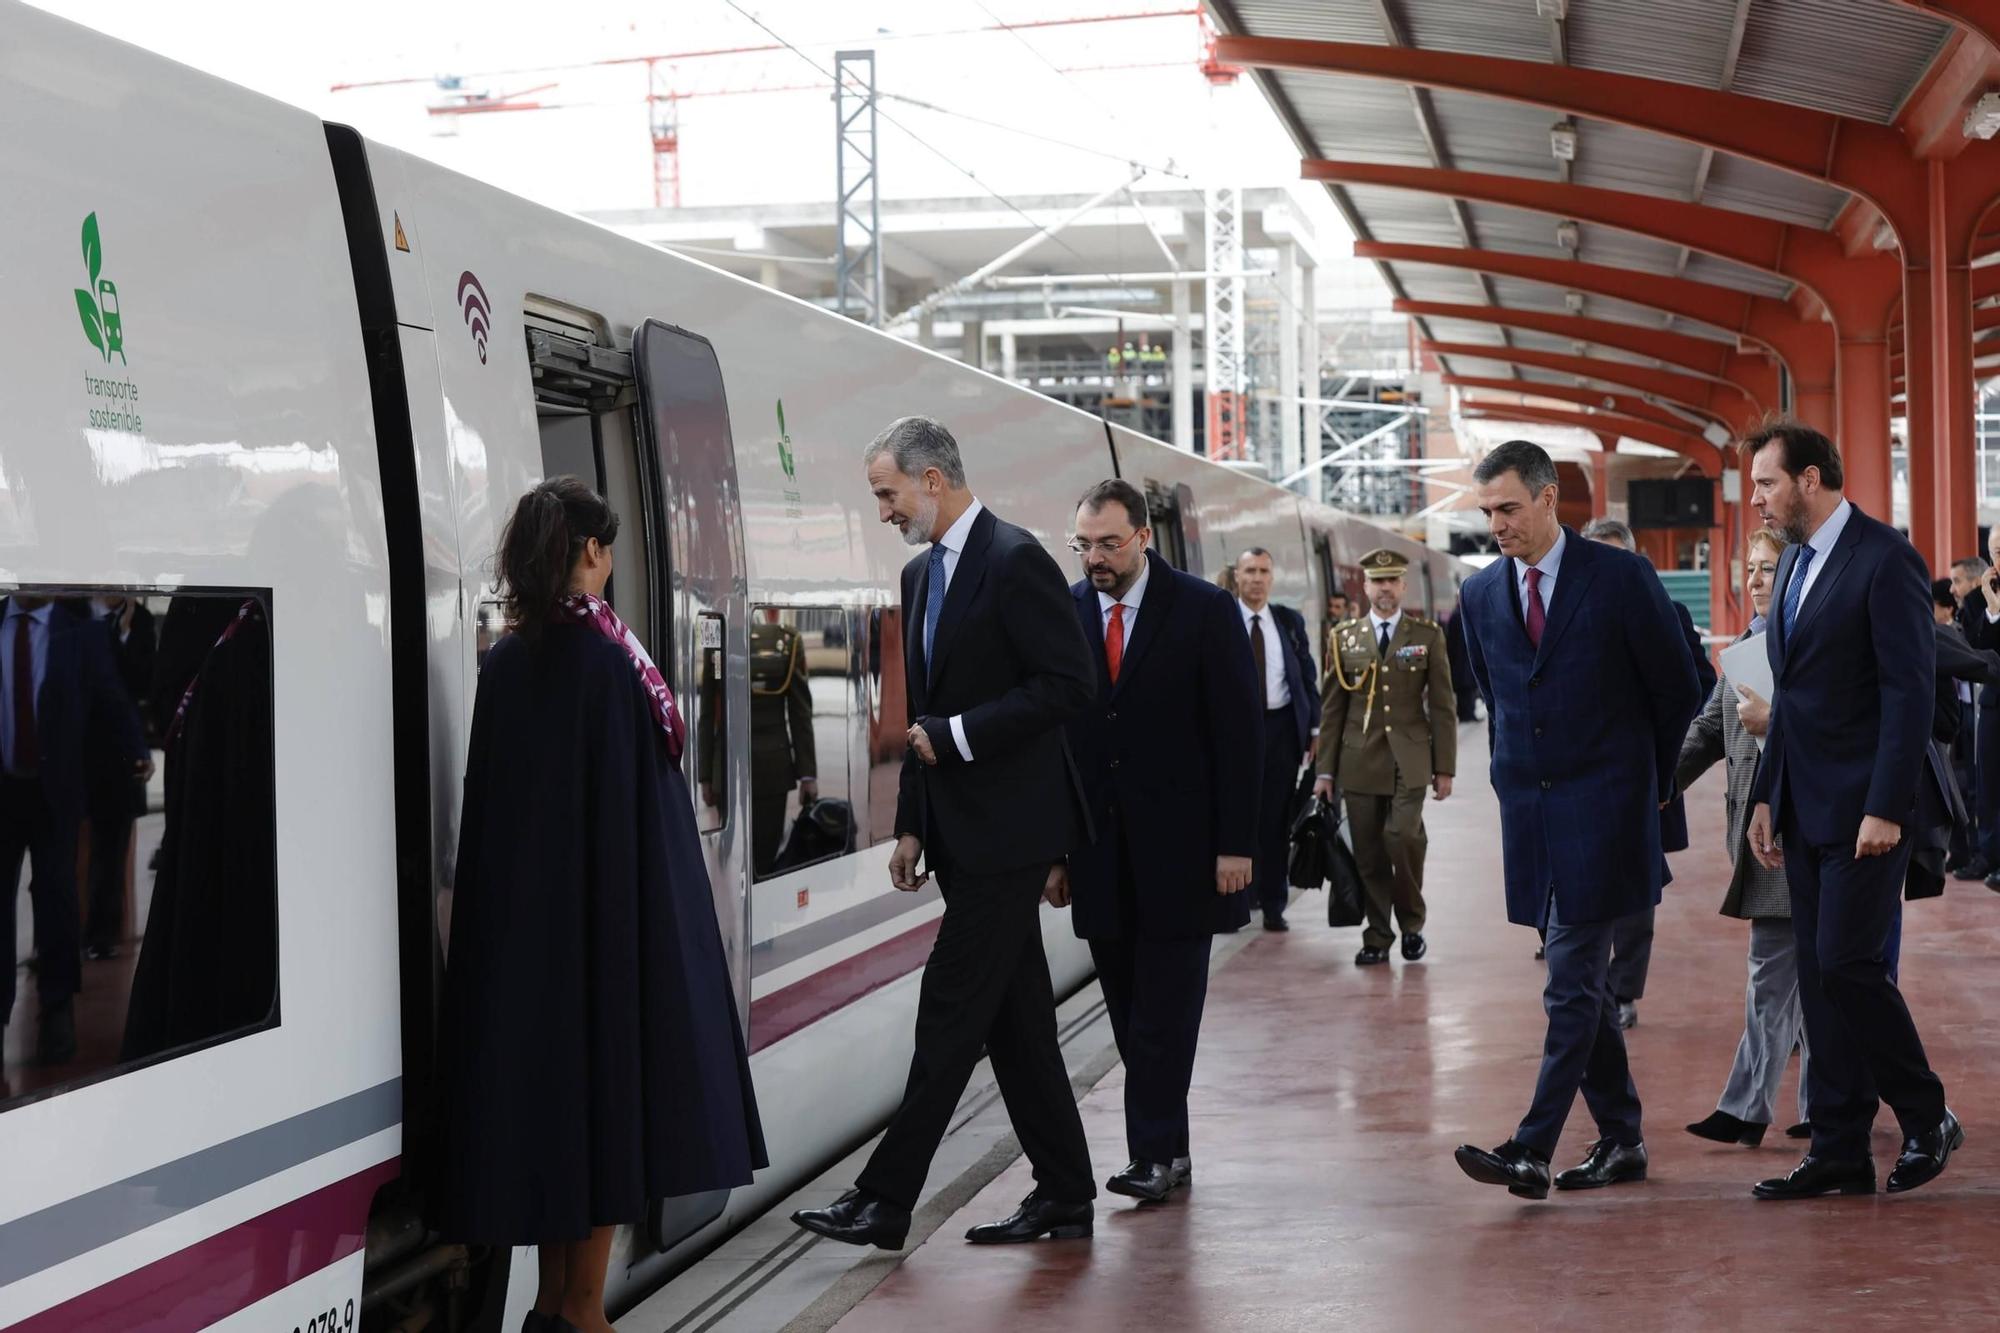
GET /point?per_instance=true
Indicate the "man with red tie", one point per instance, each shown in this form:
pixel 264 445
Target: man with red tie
pixel 1170 756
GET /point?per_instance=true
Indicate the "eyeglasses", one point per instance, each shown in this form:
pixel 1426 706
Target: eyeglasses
pixel 1105 547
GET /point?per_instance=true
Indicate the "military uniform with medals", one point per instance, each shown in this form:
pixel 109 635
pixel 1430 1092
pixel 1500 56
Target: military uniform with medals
pixel 781 734
pixel 1389 725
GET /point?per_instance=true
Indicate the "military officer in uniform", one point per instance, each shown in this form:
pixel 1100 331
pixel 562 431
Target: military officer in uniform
pixel 781 735
pixel 1388 730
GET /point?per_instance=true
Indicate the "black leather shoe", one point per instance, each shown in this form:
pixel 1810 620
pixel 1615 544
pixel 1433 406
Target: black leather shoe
pixel 858 1218
pixel 1183 1168
pixel 1627 1016
pixel 1722 1127
pixel 1924 1155
pixel 1541 952
pixel 1609 1163
pixel 1802 1130
pixel 58 1036
pixel 1976 868
pixel 1414 947
pixel 1151 1181
pixel 1511 1164
pixel 1370 955
pixel 1035 1218
pixel 1993 880
pixel 1275 923
pixel 1814 1176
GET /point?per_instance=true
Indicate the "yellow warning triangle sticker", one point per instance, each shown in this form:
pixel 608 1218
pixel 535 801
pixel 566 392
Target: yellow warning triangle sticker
pixel 402 241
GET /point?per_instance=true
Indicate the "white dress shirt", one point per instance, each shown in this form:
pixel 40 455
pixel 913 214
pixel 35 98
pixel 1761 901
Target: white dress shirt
pixel 1550 565
pixel 953 541
pixel 1130 601
pixel 1822 546
pixel 1375 624
pixel 1277 694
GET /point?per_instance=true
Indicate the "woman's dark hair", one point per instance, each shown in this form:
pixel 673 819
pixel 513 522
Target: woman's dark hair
pixel 541 545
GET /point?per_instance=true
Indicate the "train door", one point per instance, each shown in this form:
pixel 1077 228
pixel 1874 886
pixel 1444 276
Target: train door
pixel 703 632
pixel 1176 528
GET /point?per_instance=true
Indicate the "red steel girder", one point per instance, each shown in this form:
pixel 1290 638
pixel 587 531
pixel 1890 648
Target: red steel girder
pixel 1689 391
pixel 1630 405
pixel 1703 356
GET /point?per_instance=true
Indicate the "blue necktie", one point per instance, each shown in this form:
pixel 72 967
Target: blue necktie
pixel 933 605
pixel 1796 592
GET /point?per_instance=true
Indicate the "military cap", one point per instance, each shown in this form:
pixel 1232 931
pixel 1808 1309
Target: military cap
pixel 1383 563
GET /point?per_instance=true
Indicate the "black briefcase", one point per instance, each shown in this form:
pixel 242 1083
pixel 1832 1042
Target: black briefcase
pixel 1344 896
pixel 1313 830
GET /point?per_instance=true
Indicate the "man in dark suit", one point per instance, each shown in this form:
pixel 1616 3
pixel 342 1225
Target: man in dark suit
pixel 1980 620
pixel 990 801
pixel 1170 759
pixel 1632 940
pixel 1968 856
pixel 1853 660
pixel 58 688
pixel 1580 656
pixel 117 795
pixel 1287 692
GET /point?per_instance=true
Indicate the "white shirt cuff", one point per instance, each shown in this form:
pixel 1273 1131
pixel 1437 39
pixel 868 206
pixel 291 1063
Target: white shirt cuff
pixel 1992 616
pixel 958 735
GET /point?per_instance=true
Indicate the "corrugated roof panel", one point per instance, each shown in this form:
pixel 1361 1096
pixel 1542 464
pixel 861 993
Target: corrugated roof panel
pixel 1464 331
pixel 1509 28
pixel 1427 282
pixel 1855 57
pixel 1319 20
pixel 1488 134
pixel 1479 367
pixel 1366 120
pixel 1623 249
pixel 1724 273
pixel 1682 40
pixel 1404 215
pixel 1616 157
pixel 1515 230
pixel 1525 295
pixel 1752 187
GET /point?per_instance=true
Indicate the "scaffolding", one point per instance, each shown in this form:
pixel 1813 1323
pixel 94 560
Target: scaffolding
pixel 858 186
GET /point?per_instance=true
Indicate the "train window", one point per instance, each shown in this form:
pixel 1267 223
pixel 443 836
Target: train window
pixel 1164 513
pixel 800 717
pixel 888 719
pixel 137 810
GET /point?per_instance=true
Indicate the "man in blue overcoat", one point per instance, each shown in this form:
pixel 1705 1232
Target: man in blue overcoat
pixel 1578 651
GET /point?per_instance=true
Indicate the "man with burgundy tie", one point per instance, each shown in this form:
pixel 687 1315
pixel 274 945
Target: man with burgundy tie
pixel 1287 694
pixel 1577 649
pixel 60 688
pixel 1170 754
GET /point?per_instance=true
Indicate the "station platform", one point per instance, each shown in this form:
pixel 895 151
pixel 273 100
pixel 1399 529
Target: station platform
pixel 1326 1105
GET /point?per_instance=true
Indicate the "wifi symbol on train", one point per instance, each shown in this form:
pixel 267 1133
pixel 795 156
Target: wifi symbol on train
pixel 476 309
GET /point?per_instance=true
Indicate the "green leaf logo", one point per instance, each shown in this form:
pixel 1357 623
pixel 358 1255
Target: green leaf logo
pixel 93 249
pixel 86 310
pixel 785 459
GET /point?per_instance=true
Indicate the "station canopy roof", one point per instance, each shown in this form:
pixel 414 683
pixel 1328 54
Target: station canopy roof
pixel 1379 112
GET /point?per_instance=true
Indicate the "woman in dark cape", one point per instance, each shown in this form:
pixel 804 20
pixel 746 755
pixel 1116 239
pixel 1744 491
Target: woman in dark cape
pixel 590 1053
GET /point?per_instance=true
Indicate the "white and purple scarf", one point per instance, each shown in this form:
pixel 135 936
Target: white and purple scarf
pixel 597 613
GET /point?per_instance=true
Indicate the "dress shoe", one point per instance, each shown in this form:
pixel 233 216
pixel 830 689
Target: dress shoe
pixel 1976 868
pixel 1275 922
pixel 58 1036
pixel 1627 1016
pixel 1609 1163
pixel 1512 1164
pixel 1722 1127
pixel 1035 1218
pixel 98 953
pixel 1802 1130
pixel 858 1218
pixel 1924 1155
pixel 1183 1172
pixel 1993 880
pixel 1814 1176
pixel 1414 946
pixel 1541 952
pixel 1151 1181
pixel 1370 955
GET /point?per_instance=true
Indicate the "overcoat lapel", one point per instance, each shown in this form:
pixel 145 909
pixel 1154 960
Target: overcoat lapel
pixel 1836 563
pixel 1154 609
pixel 1579 568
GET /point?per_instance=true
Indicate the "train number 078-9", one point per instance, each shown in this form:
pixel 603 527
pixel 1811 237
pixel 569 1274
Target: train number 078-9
pixel 331 1321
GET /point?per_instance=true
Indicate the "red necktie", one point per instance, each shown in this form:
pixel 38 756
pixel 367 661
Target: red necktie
pixel 1537 617
pixel 27 745
pixel 1114 640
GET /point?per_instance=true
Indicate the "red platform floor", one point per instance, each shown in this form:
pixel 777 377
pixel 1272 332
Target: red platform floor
pixel 1327 1101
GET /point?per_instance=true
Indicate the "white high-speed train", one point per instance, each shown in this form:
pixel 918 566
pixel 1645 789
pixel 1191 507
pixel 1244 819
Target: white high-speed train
pixel 254 363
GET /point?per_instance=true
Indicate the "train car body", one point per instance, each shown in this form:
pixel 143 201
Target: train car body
pixel 264 371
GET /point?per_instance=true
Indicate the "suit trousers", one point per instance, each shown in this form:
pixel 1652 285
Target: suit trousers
pixel 1154 991
pixel 986 986
pixel 1584 1050
pixel 1865 1047
pixel 1772 1026
pixel 110 840
pixel 1631 954
pixel 1986 812
pixel 1389 846
pixel 46 839
pixel 1281 780
pixel 1965 768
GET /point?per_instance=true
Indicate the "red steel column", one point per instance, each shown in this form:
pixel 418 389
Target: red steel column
pixel 1600 475
pixel 1955 441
